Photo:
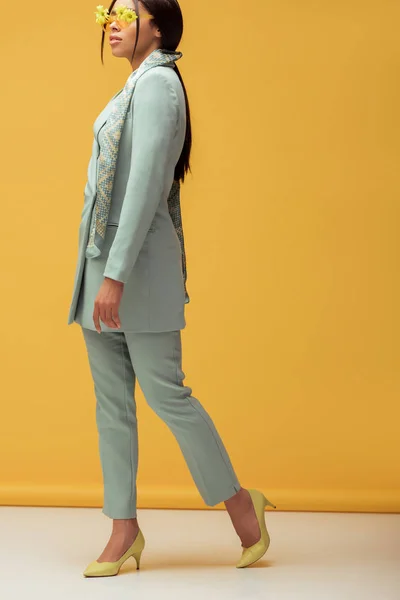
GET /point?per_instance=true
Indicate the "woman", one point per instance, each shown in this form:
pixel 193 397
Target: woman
pixel 130 283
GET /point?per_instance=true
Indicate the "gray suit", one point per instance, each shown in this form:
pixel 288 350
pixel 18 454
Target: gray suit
pixel 143 250
pixel 141 247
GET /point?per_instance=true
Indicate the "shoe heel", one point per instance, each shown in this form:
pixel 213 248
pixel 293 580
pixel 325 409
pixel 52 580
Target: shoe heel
pixel 267 502
pixel 137 557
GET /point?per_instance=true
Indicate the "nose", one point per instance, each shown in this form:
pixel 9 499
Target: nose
pixel 113 25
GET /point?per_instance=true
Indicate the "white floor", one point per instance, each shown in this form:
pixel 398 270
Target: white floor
pixel 191 555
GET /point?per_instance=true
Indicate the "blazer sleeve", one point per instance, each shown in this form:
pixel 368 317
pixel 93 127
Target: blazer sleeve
pixel 155 122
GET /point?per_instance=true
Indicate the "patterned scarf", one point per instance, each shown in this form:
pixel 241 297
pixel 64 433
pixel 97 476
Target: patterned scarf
pixel 108 159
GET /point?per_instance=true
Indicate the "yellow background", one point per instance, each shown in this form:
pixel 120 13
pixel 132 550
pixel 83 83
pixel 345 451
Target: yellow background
pixel 291 223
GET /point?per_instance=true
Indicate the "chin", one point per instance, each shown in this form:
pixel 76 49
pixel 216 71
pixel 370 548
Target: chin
pixel 116 53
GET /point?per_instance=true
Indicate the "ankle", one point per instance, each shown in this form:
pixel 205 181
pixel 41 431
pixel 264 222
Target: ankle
pixel 124 525
pixel 237 502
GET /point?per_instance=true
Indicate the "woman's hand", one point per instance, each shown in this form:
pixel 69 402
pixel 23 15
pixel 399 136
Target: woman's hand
pixel 106 305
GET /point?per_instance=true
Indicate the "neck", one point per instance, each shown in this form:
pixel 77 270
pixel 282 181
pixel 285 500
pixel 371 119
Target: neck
pixel 139 58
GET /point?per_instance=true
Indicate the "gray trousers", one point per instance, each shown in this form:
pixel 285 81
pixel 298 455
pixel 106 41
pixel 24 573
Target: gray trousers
pixel 116 359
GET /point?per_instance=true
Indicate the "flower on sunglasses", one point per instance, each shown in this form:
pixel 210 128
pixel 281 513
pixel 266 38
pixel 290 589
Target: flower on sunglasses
pixel 125 14
pixel 102 15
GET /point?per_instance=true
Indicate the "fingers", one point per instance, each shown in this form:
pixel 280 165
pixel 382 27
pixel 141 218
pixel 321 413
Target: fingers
pixel 115 317
pixel 96 315
pixel 111 317
pixel 106 313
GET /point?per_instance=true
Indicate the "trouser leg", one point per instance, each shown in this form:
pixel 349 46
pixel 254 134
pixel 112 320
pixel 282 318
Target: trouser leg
pixel 157 362
pixel 114 385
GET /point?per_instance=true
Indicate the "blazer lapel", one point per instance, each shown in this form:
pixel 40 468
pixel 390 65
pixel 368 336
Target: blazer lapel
pixel 103 117
pixel 97 126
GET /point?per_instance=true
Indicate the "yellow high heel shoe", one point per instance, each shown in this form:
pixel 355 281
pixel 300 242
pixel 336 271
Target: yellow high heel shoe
pixel 253 553
pixel 106 569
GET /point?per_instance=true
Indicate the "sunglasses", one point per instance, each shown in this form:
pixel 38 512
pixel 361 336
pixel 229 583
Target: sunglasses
pixel 122 15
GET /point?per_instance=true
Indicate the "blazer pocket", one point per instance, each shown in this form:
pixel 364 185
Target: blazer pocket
pixel 150 230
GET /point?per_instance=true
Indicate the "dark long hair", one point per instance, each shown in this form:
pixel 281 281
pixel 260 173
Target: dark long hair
pixel 168 18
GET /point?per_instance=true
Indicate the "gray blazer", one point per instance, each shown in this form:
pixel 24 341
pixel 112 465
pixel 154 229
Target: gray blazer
pixel 141 247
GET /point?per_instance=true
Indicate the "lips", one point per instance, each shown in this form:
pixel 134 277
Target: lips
pixel 114 37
